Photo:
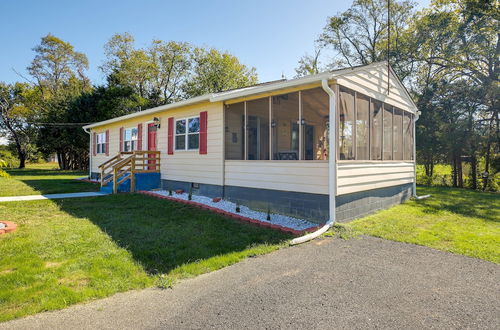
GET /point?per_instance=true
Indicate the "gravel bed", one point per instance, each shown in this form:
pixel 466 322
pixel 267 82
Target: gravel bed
pixel 276 219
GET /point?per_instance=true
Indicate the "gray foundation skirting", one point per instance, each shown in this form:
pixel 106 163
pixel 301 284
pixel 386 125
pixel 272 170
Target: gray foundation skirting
pixel 359 204
pixel 313 207
pixel 209 190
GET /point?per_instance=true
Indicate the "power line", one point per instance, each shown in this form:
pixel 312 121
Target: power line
pixel 58 124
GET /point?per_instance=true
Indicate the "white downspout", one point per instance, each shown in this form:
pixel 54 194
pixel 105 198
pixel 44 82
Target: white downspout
pixel 417 115
pixel 90 153
pixel 332 167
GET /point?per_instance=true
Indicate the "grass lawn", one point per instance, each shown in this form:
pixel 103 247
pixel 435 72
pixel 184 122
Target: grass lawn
pixel 455 220
pixel 43 179
pixel 74 250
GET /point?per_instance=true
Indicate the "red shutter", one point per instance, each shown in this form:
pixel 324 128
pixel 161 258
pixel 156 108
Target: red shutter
pixel 139 137
pixel 121 139
pixel 170 144
pixel 107 142
pixel 94 144
pixel 203 132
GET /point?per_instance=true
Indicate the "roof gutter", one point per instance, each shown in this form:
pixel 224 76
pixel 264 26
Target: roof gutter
pixel 332 168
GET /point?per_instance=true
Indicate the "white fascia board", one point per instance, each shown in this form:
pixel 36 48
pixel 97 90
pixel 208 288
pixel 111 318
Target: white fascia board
pixel 248 91
pixel 242 92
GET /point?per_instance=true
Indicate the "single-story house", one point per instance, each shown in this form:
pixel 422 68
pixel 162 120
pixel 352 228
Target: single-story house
pixel 270 145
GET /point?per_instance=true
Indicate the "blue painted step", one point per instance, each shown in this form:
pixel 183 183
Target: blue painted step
pixel 143 181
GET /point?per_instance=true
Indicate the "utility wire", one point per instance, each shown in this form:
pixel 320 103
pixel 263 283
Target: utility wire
pixel 58 124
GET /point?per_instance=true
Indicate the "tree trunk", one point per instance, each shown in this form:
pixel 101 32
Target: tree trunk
pixel 487 164
pixel 22 159
pixel 429 166
pixel 454 171
pixel 460 177
pixel 473 171
pixel 21 154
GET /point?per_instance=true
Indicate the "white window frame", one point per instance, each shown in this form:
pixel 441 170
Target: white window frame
pixel 133 146
pixel 100 142
pixel 186 134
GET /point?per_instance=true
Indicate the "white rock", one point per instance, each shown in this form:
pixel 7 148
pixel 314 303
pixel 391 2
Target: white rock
pixel 276 219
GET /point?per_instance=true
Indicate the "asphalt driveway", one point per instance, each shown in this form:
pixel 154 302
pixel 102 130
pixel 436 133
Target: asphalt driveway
pixel 324 284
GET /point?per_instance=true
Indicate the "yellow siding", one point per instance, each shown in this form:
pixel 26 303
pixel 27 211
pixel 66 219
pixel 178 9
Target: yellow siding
pixel 182 165
pixel 355 176
pixel 300 176
pixel 373 82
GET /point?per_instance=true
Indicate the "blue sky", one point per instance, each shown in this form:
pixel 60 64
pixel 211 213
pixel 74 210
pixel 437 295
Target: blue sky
pixel 268 35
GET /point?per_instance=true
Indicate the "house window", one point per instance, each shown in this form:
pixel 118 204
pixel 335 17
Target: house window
pixel 408 136
pixel 258 129
pixel 187 133
pixel 235 131
pixel 285 126
pixel 398 134
pixel 295 126
pixel 362 127
pixel 388 130
pixel 376 109
pixel 346 124
pixel 315 124
pixel 101 143
pixel 130 136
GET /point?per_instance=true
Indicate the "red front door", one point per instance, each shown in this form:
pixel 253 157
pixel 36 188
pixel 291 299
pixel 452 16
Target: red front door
pixel 151 143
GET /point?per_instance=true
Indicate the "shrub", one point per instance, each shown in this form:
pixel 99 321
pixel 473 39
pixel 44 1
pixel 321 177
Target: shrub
pixel 3 174
pixel 10 160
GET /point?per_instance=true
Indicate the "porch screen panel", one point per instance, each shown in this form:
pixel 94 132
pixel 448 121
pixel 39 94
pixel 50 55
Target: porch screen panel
pixel 387 132
pixel 376 110
pixel 408 136
pixel 315 121
pixel 285 126
pixel 235 131
pixel 258 129
pixel 362 127
pixel 398 134
pixel 346 124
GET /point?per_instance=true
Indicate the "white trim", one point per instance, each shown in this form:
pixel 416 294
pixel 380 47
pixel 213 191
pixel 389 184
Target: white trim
pixel 186 134
pixel 97 143
pixel 253 90
pixel 191 101
pixel 124 141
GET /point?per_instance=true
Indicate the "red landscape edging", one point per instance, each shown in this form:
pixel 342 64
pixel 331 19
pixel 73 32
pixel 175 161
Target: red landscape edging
pixel 232 215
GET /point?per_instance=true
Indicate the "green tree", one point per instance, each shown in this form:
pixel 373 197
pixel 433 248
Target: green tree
pixel 102 103
pixel 309 64
pixel 59 72
pixel 460 40
pixel 156 73
pixel 171 68
pixel 15 118
pixel 57 67
pixel 358 36
pixel 215 71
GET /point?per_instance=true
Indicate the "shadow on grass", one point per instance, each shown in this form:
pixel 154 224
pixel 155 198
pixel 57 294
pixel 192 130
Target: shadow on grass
pixel 162 235
pixel 465 202
pixel 51 181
